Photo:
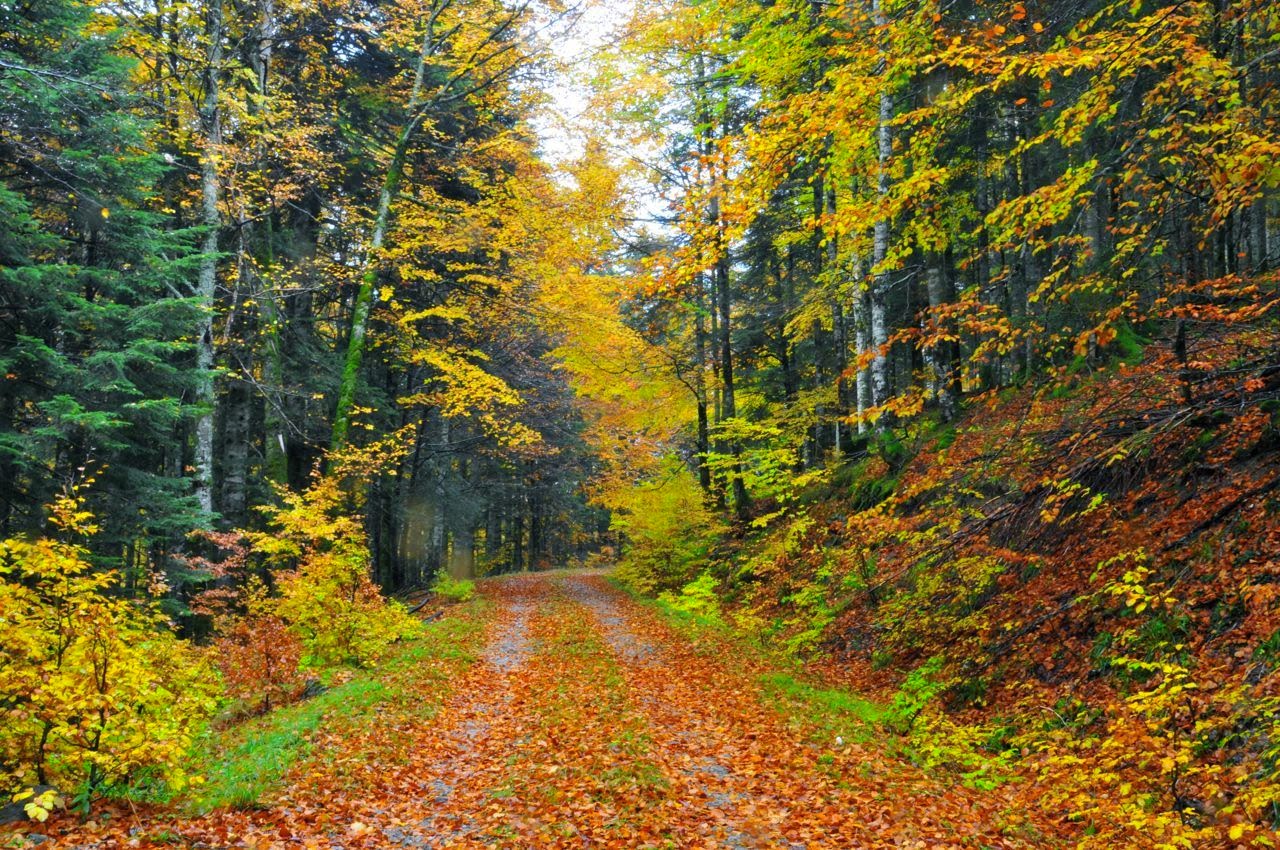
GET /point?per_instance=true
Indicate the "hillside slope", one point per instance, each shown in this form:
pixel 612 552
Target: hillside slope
pixel 1076 583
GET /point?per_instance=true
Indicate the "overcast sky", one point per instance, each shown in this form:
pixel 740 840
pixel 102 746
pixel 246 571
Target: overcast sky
pixel 576 40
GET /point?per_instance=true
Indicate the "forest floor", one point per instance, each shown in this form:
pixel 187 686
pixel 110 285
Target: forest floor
pixel 582 718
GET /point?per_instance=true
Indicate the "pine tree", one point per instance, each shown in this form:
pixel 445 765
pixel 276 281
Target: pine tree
pixel 93 332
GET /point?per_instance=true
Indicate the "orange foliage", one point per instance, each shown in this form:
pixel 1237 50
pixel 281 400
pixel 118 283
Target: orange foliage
pixel 1095 566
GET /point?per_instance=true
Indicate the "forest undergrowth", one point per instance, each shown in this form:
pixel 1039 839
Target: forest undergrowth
pixel 546 714
pixel 1069 589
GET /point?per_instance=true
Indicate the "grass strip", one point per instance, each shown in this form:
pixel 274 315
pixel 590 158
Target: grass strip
pixel 243 763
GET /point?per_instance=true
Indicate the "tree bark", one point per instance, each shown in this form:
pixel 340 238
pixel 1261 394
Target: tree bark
pixel 439 512
pixel 517 531
pixel 366 294
pixel 728 402
pixel 878 318
pixel 863 333
pixel 939 354
pixel 820 358
pixel 1258 248
pixel 261 47
pixel 700 386
pixel 207 280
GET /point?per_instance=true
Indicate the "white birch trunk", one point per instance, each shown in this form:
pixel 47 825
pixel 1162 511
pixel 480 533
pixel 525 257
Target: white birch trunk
pixel 861 345
pixel 207 281
pixel 880 245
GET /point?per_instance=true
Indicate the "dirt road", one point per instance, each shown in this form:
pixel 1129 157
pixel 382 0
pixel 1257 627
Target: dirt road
pixel 588 721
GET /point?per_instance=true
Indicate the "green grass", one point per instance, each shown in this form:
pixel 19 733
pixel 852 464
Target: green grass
pixel 242 764
pixel 689 623
pixel 829 713
pixel 254 755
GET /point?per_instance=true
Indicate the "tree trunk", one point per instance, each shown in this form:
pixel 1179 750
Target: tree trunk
pixel 728 402
pixel 236 417
pixel 207 281
pixel 268 299
pixel 535 528
pixel 366 294
pixel 783 278
pixel 517 532
pixel 493 530
pixel 878 318
pixel 439 513
pixel 861 343
pixel 938 354
pixel 700 385
pixel 819 347
pixel 1258 248
pixel 839 334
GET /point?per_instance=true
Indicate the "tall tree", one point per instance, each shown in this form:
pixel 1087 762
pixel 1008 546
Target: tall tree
pixel 91 322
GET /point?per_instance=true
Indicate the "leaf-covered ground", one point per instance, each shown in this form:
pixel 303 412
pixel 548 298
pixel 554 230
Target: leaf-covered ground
pixel 585 720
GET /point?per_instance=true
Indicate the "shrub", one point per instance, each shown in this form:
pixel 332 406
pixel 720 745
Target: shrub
pixel 260 659
pixel 453 589
pixel 698 598
pixel 920 688
pixel 668 528
pixel 258 654
pixel 318 546
pixel 94 687
pixel 325 609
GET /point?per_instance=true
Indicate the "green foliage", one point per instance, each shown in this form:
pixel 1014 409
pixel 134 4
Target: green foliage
pixel 1268 651
pixel 766 460
pixel 95 347
pixel 977 753
pixel 921 686
pixel 890 448
pixel 668 528
pixel 453 589
pixel 698 598
pixel 1128 344
pixel 867 482
pixel 813 614
pixel 836 713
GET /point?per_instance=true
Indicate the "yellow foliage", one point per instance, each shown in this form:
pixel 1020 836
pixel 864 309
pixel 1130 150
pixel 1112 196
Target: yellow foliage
pixel 94 687
pixel 326 594
pixel 668 528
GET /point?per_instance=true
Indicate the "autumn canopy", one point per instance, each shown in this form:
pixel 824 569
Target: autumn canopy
pixel 878 401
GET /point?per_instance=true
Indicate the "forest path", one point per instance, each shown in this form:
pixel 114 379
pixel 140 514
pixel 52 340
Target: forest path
pixel 592 722
pixel 589 721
